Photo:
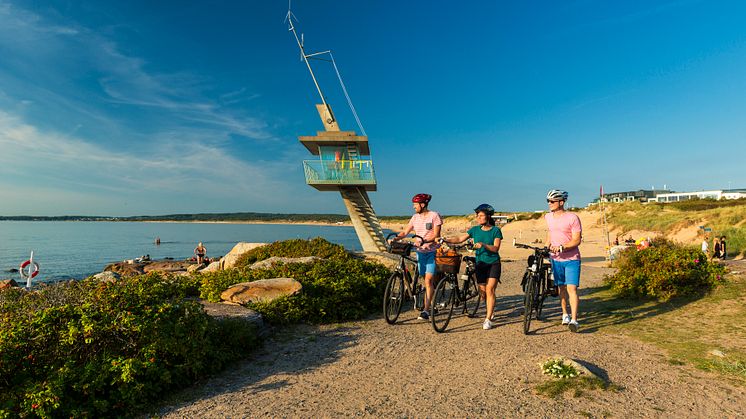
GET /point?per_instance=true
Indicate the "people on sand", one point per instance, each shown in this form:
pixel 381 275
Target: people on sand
pixel 564 234
pixel 723 248
pixel 426 224
pixel 487 237
pixel 200 251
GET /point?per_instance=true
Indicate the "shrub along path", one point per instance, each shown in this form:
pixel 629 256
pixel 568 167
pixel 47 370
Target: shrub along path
pixel 369 368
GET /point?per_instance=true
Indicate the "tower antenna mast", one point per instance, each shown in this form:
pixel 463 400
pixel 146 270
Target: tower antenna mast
pixel 291 28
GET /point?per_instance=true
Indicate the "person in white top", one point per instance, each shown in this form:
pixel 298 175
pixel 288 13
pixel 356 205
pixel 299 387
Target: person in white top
pixel 705 246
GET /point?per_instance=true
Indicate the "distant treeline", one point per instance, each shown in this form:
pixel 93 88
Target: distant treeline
pixel 233 216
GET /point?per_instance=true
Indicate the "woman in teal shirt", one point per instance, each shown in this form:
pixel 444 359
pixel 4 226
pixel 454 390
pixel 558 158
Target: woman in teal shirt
pixel 487 237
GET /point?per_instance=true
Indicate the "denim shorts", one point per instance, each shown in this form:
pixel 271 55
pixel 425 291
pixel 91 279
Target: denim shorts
pixel 426 262
pixel 566 272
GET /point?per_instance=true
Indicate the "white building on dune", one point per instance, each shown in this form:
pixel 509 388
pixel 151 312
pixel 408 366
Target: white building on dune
pixel 713 194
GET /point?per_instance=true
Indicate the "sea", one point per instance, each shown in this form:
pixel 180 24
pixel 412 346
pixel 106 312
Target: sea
pixel 78 249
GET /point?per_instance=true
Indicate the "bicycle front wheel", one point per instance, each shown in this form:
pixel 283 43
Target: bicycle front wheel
pixel 393 298
pixel 441 306
pixel 529 299
pixel 473 296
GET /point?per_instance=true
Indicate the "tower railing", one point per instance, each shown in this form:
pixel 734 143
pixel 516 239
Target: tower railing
pixel 339 172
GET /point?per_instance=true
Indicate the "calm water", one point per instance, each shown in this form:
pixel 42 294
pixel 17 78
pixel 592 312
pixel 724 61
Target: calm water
pixel 78 249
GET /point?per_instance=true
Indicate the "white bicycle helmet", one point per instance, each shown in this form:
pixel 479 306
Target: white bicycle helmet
pixel 557 195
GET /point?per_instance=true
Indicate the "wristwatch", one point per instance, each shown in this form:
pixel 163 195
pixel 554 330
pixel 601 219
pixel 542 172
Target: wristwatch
pixel 562 248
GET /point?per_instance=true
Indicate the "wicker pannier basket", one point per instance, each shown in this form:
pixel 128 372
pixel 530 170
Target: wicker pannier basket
pixel 447 261
pixel 401 248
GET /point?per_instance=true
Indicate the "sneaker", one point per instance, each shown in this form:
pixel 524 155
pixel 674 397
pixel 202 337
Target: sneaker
pixel 424 315
pixel 565 319
pixel 573 326
pixel 488 324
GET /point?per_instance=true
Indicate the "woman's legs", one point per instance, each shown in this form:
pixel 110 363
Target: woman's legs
pixel 491 285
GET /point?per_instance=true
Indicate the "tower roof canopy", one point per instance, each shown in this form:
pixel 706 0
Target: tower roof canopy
pixel 335 138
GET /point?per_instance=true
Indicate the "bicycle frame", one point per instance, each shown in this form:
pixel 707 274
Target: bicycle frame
pixel 536 283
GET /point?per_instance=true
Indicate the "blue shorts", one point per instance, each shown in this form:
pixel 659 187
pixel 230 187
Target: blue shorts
pixel 566 272
pixel 426 262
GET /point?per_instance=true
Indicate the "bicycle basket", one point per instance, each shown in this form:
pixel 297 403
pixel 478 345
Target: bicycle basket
pixel 401 248
pixel 447 261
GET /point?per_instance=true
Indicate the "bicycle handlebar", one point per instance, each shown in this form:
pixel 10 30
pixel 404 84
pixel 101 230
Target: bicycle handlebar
pixel 528 246
pixel 468 245
pixel 414 236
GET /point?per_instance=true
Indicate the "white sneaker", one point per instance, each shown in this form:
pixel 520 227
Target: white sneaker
pixel 488 324
pixel 573 326
pixel 565 319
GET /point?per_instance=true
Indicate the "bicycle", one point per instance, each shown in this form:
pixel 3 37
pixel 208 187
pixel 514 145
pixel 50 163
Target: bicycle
pixel 537 283
pixel 401 284
pixel 449 294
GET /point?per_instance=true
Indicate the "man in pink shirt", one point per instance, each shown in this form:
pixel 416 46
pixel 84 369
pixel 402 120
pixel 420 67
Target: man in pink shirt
pixel 426 224
pixel 563 237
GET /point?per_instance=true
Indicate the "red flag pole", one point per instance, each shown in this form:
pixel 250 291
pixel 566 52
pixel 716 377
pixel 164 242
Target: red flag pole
pixel 606 227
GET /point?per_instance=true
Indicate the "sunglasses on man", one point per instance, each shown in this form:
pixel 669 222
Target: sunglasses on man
pixel 550 201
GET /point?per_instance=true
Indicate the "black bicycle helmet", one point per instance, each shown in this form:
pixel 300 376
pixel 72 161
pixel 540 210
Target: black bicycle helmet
pixel 486 208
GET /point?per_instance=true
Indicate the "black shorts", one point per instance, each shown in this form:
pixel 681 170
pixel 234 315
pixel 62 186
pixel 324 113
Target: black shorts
pixel 485 271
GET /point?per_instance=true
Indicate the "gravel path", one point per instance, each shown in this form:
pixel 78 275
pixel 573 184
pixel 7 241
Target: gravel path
pixel 369 368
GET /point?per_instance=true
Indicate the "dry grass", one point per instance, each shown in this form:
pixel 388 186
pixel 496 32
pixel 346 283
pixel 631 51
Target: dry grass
pixel 688 329
pixel 727 220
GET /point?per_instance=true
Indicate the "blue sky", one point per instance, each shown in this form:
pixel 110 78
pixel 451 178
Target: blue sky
pixel 141 107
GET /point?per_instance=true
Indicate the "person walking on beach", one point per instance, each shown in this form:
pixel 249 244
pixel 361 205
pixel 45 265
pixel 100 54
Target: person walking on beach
pixel 564 234
pixel 200 252
pixel 487 237
pixel 723 248
pixel 426 224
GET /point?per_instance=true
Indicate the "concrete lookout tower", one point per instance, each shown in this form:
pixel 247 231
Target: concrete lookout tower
pixel 343 161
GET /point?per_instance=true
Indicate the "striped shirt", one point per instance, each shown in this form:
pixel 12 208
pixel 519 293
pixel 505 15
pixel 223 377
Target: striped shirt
pixel 424 225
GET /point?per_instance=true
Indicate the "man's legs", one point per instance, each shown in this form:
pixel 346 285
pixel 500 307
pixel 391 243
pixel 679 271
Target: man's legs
pixel 426 262
pixel 563 299
pixel 567 278
pixel 429 289
pixel 571 291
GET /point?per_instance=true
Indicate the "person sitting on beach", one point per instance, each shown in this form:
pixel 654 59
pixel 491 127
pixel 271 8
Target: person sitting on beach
pixel 200 251
pixel 487 237
pixel 426 224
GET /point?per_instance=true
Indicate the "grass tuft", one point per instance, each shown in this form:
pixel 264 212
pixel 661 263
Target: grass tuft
pixel 578 386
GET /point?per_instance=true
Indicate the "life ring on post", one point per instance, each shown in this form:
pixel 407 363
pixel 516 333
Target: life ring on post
pixel 33 274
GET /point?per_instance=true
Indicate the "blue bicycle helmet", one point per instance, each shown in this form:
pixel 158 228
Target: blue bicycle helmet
pixel 486 208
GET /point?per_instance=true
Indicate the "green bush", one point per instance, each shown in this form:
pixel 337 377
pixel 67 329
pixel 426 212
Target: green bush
pixel 88 348
pixel 294 248
pixel 338 287
pixel 664 271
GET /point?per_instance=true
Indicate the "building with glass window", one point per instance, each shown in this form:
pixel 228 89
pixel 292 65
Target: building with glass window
pixel 713 194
